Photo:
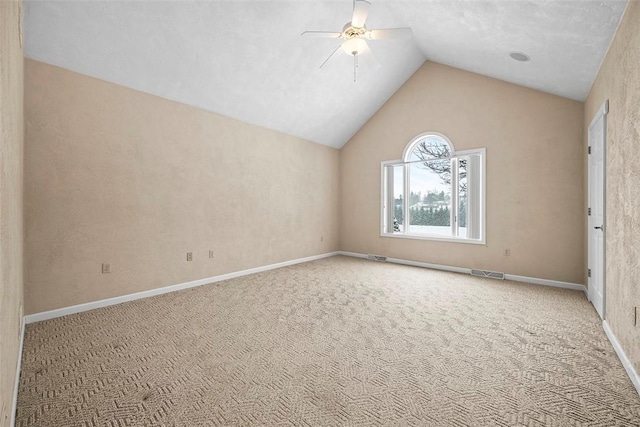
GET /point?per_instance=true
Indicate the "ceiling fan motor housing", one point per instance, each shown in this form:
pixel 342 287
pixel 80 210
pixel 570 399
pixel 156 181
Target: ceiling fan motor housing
pixel 350 32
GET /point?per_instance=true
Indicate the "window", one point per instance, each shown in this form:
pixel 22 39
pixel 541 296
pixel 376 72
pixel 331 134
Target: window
pixel 434 192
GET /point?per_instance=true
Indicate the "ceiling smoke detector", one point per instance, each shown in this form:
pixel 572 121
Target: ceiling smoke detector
pixel 519 56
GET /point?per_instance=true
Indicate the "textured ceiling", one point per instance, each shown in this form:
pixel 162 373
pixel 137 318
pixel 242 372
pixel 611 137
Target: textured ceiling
pixel 246 59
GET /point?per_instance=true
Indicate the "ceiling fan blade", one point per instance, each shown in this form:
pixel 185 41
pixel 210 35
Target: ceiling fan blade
pixel 389 33
pixel 360 13
pixel 330 56
pixel 321 34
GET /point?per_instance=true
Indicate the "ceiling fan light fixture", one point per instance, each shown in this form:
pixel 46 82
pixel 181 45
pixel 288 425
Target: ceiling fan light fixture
pixel 354 46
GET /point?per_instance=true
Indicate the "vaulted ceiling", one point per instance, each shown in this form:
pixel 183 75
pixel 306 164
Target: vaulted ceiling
pixel 247 60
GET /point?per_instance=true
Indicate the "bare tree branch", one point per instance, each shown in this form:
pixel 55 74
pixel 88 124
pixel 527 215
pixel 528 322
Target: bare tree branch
pixel 429 154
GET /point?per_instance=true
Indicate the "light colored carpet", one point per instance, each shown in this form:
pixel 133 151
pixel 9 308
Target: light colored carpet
pixel 339 341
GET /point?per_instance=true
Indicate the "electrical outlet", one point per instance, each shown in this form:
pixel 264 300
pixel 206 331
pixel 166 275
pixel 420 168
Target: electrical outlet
pixel 210 254
pixel 106 268
pixel 189 256
pixel 507 252
pixel 322 238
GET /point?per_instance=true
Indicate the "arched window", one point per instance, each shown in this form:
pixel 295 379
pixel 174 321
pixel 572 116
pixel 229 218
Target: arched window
pixel 434 192
pixel 428 146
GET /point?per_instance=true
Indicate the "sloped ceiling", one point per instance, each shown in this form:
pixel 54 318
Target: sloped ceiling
pixel 247 60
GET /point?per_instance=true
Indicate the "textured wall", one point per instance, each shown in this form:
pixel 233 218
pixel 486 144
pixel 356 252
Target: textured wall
pixel 534 172
pixel 11 186
pixel 118 176
pixel 619 82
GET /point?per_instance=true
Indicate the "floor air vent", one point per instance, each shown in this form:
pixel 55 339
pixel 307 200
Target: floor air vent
pixel 377 258
pixel 485 273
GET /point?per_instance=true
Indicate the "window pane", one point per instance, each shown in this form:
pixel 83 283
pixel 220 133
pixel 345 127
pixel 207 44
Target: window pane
pixel 474 196
pixel 394 207
pixel 430 198
pixel 462 196
pixel 398 205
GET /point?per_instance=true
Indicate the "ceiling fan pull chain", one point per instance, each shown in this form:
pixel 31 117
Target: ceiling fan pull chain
pixel 355 66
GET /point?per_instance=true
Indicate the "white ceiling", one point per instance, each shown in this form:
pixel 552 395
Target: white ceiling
pixel 246 59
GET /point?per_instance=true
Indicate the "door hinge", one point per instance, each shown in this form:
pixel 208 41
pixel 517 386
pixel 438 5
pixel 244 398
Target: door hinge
pixel 589 149
pixel 588 272
pixel 589 211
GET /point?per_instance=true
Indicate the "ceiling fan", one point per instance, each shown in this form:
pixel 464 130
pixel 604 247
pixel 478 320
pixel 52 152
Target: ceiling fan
pixel 355 35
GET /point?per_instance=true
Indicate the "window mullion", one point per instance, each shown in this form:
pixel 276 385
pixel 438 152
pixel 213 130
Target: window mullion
pixel 454 197
pixel 405 200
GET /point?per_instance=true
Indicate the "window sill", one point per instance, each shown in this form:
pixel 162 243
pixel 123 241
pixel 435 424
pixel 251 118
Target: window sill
pixel 435 238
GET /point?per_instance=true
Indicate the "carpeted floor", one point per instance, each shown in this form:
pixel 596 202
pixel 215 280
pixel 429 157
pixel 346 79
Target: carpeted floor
pixel 340 341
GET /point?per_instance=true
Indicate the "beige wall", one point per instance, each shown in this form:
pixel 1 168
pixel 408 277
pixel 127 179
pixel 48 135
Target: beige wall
pixel 11 186
pixel 534 172
pixel 619 82
pixel 118 176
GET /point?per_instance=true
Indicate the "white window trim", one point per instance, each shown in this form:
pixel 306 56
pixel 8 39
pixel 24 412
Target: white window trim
pixel 483 196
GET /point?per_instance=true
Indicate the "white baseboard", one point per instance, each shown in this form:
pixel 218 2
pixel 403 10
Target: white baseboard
pixel 14 405
pixel 352 254
pixel 429 265
pixel 628 366
pixel 546 282
pixel 46 315
pixel 513 277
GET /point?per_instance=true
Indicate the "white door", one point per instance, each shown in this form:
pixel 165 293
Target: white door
pixel 596 197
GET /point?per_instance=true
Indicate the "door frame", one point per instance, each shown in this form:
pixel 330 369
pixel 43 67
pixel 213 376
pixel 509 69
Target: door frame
pixel 601 113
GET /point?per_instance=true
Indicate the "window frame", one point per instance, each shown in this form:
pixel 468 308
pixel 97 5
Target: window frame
pixel 384 192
